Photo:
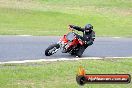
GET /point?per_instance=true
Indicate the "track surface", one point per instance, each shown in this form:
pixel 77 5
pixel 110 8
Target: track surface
pixel 17 48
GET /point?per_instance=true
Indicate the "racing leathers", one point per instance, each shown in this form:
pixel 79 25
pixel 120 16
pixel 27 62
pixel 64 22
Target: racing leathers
pixel 88 37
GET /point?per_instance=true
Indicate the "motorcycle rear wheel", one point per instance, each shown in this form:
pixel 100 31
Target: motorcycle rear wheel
pixel 73 52
pixel 80 51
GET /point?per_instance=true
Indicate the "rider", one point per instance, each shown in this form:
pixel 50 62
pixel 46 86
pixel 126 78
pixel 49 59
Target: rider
pixel 88 36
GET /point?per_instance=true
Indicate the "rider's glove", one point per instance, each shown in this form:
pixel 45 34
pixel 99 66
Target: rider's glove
pixel 71 26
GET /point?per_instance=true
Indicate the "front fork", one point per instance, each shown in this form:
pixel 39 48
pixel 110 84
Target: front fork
pixel 63 45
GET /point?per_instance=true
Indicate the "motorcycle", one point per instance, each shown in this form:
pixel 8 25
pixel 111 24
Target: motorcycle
pixel 69 43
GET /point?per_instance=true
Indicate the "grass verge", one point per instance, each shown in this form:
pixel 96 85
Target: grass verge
pixel 51 17
pixel 61 74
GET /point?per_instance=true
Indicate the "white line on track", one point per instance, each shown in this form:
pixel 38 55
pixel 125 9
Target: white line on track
pixel 116 37
pixel 60 59
pixel 24 35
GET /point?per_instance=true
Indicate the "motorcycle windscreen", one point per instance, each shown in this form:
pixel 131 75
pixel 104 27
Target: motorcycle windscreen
pixel 70 36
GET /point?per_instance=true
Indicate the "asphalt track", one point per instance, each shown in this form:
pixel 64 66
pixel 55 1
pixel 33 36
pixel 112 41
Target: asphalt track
pixel 18 48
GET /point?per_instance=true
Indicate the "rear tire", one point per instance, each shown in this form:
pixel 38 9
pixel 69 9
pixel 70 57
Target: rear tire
pixel 73 52
pixel 80 51
pixel 54 47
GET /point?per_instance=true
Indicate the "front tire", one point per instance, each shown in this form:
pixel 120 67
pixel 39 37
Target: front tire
pixel 52 49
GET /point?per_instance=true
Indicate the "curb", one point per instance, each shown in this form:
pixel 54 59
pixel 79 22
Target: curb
pixel 61 59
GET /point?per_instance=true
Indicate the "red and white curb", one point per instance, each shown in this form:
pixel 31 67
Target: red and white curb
pixel 61 59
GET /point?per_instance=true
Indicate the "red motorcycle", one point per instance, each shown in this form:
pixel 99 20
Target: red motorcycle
pixel 69 43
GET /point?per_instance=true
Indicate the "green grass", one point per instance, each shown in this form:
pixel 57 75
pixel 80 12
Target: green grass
pixel 98 3
pixel 51 17
pixel 61 74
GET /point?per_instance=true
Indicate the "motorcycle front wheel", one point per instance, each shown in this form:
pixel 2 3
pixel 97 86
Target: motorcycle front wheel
pixel 52 49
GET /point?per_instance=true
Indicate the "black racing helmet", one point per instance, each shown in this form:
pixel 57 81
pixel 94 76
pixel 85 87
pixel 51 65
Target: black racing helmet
pixel 88 27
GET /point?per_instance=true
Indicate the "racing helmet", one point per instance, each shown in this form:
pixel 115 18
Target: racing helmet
pixel 88 27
